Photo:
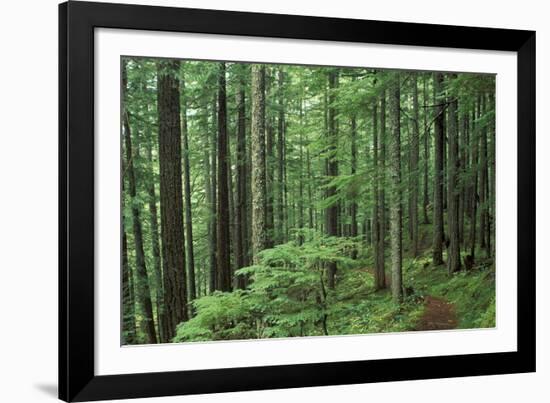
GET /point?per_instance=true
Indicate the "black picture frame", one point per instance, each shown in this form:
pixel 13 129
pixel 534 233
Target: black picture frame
pixel 77 21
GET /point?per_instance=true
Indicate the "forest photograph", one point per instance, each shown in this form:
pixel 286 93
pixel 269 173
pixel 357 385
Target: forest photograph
pixel 271 201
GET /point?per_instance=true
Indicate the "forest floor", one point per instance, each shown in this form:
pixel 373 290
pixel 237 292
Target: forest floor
pixel 438 314
pixel 433 301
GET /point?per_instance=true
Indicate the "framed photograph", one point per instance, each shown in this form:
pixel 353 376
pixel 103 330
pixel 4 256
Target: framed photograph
pixel 256 201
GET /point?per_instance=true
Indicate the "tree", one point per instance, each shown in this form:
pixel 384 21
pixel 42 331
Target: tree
pixel 258 161
pixel 209 196
pixel 462 171
pixel 142 283
pixel 491 176
pixel 128 302
pixel 301 168
pixel 241 215
pixel 281 231
pixel 380 272
pixel 483 170
pixel 214 207
pixel 332 169
pixel 414 168
pixel 155 243
pixel 379 275
pixel 437 252
pixel 453 190
pixel 187 188
pixel 353 171
pixel 171 197
pixel 474 146
pixel 426 198
pixel 223 280
pixel 270 164
pixel 396 219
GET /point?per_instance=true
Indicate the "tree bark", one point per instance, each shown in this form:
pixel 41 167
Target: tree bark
pixel 241 216
pixel 311 212
pixel 270 166
pixel 188 206
pixel 462 150
pixel 437 253
pixel 280 160
pixel 379 276
pixel 214 206
pixel 474 144
pixel 453 190
pixel 353 205
pixel 155 235
pixel 396 219
pixel 300 224
pixel 332 166
pixel 223 280
pixel 483 178
pixel 414 169
pixel 171 198
pixel 426 198
pixel 210 207
pixel 491 180
pixel 258 162
pixel 380 273
pixel 128 302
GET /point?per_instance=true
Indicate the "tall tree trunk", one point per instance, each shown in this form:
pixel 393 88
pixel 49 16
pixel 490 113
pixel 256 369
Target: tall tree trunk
pixel 210 207
pixel 483 178
pixel 142 284
pixel 462 142
pixel 426 198
pixel 491 180
pixel 408 194
pixel 379 277
pixel 213 212
pixel 171 198
pixel 474 144
pixel 437 256
pixel 414 169
pixel 128 302
pixel 258 161
pixel 280 160
pixel 241 216
pixel 301 172
pixel 270 166
pixel 223 280
pixel 353 205
pixel 232 213
pixel 332 166
pixel 380 273
pixel 311 212
pixel 155 235
pixel 396 219
pixel 192 287
pixel 453 190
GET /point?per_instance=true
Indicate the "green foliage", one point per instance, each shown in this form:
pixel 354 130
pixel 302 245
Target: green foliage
pixel 286 296
pixel 220 316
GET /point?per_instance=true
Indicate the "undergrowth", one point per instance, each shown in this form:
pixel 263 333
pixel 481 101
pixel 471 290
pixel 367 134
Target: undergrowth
pixel 287 295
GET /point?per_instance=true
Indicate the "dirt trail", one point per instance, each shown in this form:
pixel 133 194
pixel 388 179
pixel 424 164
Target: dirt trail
pixel 438 315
